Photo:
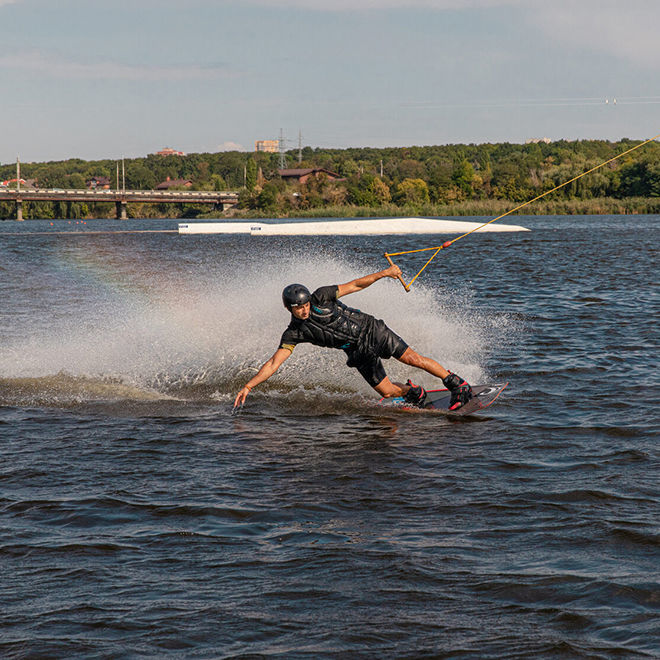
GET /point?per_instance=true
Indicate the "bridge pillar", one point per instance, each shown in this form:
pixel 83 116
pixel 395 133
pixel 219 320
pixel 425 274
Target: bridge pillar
pixel 121 210
pixel 225 206
pixel 19 210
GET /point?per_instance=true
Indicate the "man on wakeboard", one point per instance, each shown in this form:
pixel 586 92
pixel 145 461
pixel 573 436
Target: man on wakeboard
pixel 319 318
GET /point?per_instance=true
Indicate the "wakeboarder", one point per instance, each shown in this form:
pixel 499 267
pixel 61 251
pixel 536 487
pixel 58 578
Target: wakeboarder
pixel 319 318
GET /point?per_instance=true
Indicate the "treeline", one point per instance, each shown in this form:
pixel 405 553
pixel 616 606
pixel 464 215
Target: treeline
pixel 435 180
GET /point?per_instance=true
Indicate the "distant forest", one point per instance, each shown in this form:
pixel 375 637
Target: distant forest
pixel 460 179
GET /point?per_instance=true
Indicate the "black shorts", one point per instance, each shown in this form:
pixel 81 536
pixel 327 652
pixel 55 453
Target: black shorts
pixel 380 342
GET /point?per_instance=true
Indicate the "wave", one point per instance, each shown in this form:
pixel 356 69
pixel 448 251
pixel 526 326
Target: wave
pixel 66 389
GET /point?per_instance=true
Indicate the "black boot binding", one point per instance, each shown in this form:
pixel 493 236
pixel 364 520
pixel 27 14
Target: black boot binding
pixel 416 395
pixel 461 392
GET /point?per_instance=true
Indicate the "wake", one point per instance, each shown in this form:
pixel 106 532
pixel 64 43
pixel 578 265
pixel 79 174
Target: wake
pixel 200 335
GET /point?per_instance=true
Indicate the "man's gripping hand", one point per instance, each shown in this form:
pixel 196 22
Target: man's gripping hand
pixel 393 271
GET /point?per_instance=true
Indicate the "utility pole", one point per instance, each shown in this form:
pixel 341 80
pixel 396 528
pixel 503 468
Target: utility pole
pixel 282 148
pixel 299 146
pixel 121 203
pixel 19 201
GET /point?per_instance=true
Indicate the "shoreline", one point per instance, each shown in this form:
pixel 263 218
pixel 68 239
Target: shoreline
pixel 472 208
pixel 484 208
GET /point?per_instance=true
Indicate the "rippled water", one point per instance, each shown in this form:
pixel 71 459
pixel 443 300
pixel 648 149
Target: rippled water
pixel 140 518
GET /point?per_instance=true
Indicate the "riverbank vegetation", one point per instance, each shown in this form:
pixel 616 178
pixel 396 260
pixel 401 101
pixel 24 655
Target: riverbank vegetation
pixel 474 180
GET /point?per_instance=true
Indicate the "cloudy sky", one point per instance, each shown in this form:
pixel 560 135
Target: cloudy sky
pixel 102 79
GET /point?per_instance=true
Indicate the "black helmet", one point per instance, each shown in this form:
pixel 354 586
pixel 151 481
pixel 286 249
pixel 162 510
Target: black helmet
pixel 295 294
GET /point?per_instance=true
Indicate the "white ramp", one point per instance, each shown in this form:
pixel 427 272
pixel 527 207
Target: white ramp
pixel 344 227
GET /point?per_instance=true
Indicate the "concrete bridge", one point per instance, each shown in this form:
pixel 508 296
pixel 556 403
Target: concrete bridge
pixel 218 199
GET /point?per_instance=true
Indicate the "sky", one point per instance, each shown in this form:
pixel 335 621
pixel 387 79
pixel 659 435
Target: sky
pixel 95 79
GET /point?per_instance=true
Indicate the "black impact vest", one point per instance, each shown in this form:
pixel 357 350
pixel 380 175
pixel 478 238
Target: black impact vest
pixel 331 323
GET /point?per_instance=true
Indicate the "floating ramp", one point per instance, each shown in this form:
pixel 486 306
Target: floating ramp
pixel 344 227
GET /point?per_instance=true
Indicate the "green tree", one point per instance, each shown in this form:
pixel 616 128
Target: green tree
pixel 653 180
pixel 411 169
pixel 251 174
pixel 412 191
pixel 462 176
pixel 202 175
pixel 362 191
pixel 218 182
pixel 267 198
pixel 140 177
pixel 639 178
pixel 347 167
pixel 380 191
pixel 76 181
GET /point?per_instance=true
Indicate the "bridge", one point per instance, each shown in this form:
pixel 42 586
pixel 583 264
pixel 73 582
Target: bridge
pixel 218 199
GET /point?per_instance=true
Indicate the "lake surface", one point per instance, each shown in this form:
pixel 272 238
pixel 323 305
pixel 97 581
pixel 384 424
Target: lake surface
pixel 140 518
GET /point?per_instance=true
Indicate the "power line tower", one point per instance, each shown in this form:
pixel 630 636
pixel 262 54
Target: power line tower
pixel 282 150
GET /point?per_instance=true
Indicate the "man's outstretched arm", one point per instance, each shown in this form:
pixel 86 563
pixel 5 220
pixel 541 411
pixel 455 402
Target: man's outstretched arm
pixel 363 282
pixel 266 371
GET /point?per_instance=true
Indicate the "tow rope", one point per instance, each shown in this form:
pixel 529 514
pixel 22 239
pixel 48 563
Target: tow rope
pixel 389 255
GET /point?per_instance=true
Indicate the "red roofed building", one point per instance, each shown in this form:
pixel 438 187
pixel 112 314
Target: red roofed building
pixel 303 174
pixel 25 183
pixel 99 183
pixel 169 152
pixel 174 183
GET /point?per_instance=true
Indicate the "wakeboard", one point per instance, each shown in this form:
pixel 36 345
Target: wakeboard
pixel 438 400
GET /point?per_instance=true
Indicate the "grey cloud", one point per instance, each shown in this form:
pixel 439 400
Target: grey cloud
pixel 627 31
pixel 48 65
pixel 375 5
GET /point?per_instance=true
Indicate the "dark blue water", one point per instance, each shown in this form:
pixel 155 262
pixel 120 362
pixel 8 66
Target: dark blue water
pixel 140 518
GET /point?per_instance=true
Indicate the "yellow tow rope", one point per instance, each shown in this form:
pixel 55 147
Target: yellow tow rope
pixel 389 255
